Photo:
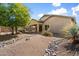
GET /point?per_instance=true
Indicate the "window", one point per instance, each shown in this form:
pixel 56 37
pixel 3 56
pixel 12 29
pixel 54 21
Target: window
pixel 46 27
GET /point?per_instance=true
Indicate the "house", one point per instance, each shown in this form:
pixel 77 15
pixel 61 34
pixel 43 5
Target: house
pixel 55 23
pixel 52 23
pixel 33 26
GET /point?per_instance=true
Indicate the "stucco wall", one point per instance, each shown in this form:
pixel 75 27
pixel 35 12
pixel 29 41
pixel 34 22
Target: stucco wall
pixel 56 24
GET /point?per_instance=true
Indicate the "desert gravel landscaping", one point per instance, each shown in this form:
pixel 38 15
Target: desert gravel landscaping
pixel 34 47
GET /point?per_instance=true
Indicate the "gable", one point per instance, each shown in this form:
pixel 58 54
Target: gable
pixel 32 22
pixel 44 17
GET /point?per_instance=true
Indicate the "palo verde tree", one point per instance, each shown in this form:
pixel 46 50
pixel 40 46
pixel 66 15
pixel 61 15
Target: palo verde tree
pixel 16 15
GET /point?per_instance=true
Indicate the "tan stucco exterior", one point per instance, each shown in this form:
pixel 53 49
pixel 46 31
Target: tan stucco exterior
pixel 57 23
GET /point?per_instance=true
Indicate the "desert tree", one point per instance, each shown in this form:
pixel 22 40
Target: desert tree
pixel 14 15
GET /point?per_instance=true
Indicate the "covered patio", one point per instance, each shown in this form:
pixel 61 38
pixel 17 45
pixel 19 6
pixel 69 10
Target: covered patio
pixel 35 26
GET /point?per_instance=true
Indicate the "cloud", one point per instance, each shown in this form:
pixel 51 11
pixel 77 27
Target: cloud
pixel 61 11
pixel 75 10
pixel 56 4
pixel 40 15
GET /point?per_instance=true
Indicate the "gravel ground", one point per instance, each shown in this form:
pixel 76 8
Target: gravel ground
pixel 34 47
pixel 64 47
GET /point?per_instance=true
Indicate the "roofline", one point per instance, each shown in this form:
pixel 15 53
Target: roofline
pixel 34 20
pixel 56 15
pixel 50 15
pixel 43 16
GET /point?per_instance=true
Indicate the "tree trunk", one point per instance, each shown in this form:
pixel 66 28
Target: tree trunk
pixel 12 30
pixel 16 30
pixel 74 40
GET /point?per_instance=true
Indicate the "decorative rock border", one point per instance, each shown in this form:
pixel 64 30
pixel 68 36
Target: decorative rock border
pixel 13 40
pixel 4 43
pixel 52 47
pixel 53 50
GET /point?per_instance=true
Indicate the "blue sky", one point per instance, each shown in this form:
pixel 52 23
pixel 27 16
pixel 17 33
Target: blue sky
pixel 37 10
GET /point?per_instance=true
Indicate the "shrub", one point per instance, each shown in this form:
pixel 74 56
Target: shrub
pixel 72 33
pixel 47 34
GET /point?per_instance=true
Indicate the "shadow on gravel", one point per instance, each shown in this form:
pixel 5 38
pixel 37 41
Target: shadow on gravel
pixel 72 47
pixel 7 37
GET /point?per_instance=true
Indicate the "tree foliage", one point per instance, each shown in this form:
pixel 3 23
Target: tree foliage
pixel 19 15
pixel 3 15
pixel 14 15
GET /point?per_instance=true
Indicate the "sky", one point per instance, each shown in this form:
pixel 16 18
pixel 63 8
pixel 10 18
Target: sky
pixel 37 10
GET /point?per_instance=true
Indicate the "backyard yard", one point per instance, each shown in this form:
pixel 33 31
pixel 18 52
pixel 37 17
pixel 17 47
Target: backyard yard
pixel 23 35
pixel 35 46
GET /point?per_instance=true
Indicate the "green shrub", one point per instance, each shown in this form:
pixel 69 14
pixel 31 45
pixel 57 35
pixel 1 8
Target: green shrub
pixel 47 34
